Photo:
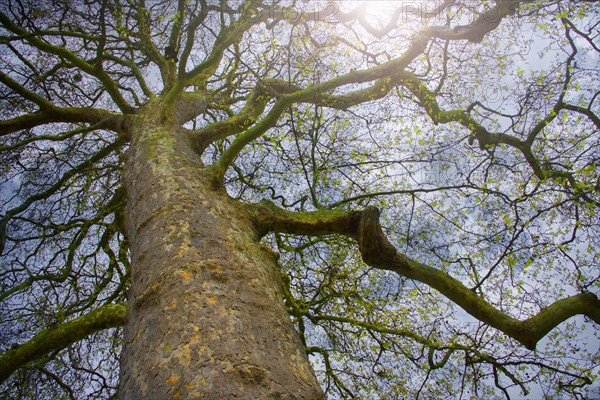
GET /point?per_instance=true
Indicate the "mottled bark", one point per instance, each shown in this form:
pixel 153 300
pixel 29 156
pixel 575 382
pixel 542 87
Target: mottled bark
pixel 206 315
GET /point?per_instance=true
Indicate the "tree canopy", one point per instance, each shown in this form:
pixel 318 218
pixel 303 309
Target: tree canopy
pixel 429 172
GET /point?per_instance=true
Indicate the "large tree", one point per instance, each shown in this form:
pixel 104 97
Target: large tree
pixel 299 200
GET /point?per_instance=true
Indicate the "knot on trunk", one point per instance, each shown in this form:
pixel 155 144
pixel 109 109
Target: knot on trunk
pixel 374 247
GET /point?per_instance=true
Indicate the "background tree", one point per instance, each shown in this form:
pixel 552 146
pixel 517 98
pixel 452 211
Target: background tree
pixel 415 184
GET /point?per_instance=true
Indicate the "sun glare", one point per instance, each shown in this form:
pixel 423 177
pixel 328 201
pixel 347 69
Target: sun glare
pixel 379 8
pixel 378 12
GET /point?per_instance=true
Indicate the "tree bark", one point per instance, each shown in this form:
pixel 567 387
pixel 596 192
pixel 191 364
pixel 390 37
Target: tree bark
pixel 206 318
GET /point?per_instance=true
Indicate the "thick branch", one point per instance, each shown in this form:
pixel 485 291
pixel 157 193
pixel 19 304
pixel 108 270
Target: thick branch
pixel 102 118
pixel 485 23
pixel 59 337
pixel 271 218
pixel 378 252
pixel 26 94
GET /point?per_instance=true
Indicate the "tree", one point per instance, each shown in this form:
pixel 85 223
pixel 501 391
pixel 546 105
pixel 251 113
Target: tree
pixel 299 200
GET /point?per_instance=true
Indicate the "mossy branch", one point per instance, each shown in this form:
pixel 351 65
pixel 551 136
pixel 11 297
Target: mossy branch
pixel 59 337
pixel 378 252
pixel 102 118
pixel 220 167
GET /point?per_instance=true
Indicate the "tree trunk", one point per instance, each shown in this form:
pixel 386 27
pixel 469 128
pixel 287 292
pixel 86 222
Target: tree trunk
pixel 206 317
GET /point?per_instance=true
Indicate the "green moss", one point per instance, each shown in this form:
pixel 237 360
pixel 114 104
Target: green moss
pixel 61 336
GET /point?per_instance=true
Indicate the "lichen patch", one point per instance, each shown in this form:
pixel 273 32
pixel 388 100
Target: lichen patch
pixel 172 380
